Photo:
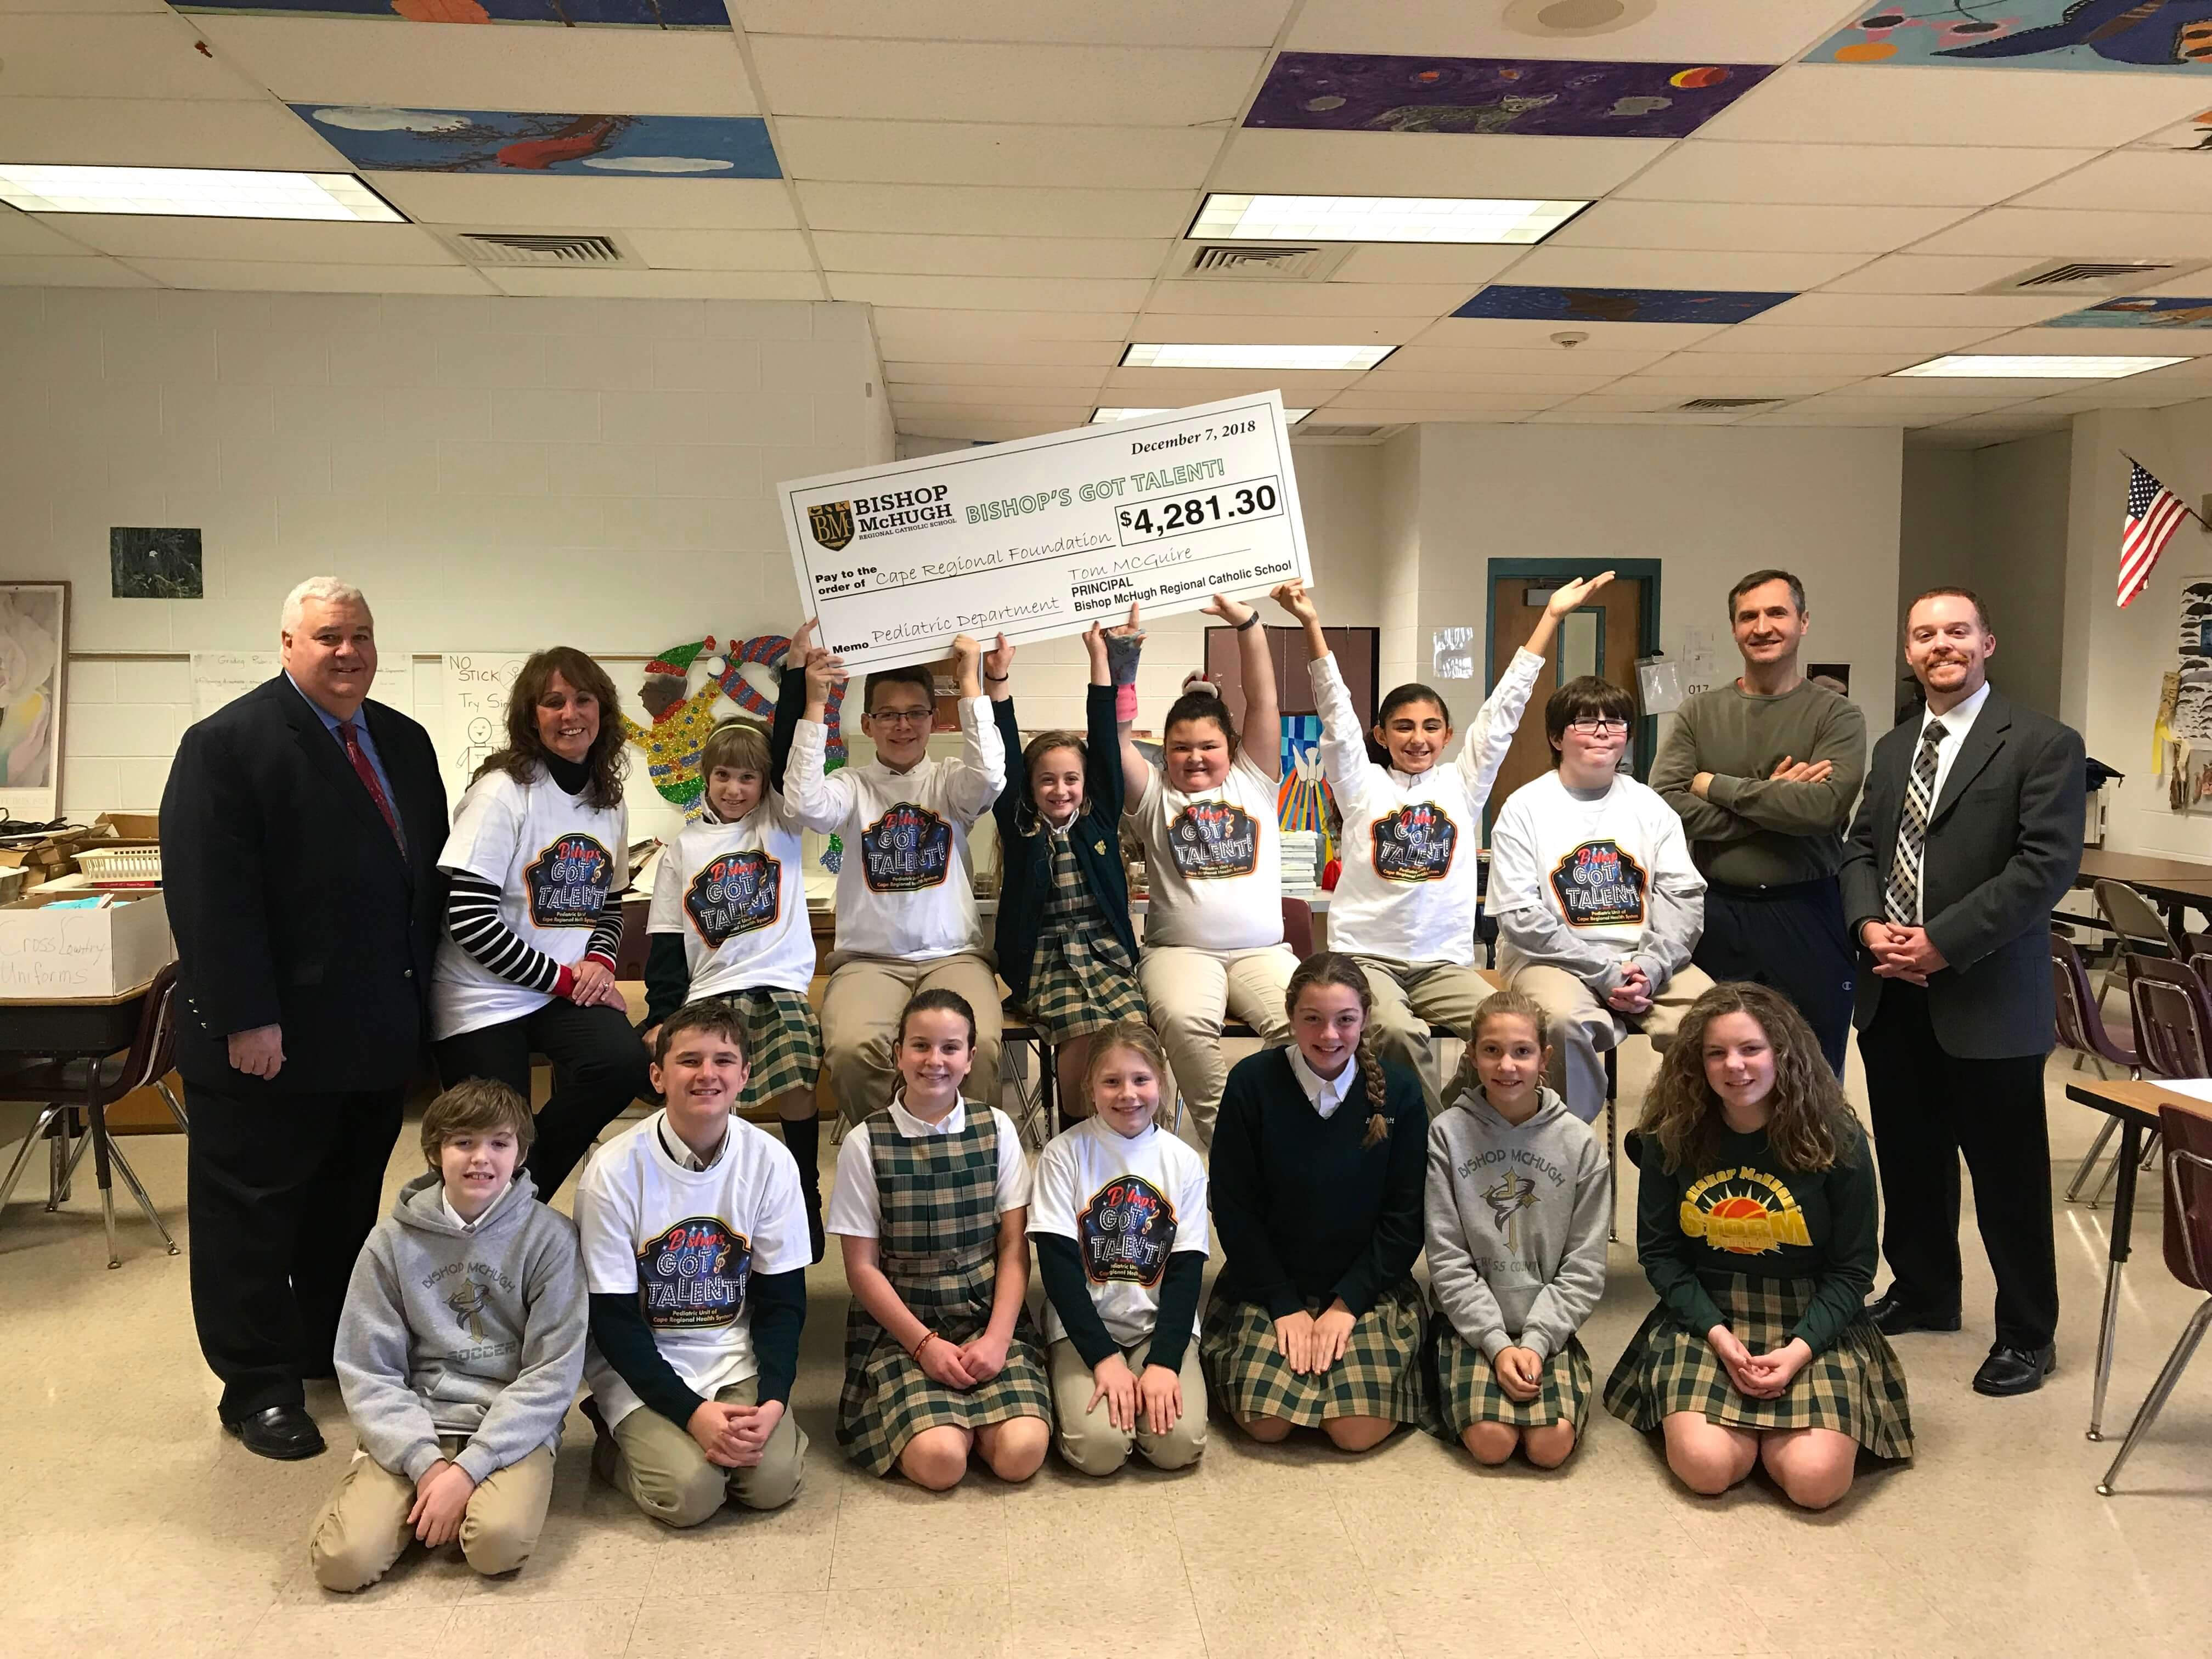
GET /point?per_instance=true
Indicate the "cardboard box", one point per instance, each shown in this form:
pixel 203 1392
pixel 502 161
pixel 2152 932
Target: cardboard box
pixel 128 826
pixel 48 858
pixel 53 954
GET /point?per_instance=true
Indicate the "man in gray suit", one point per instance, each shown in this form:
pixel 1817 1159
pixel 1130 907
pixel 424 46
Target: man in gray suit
pixel 1969 832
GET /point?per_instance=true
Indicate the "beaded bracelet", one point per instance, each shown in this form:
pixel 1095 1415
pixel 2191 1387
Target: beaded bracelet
pixel 914 1353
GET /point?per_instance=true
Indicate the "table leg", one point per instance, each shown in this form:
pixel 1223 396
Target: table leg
pixel 2124 1217
pixel 97 1128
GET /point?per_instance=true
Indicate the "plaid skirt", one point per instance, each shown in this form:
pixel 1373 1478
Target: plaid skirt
pixel 1381 1374
pixel 889 1399
pixel 1855 1388
pixel 1079 983
pixel 784 1039
pixel 1467 1391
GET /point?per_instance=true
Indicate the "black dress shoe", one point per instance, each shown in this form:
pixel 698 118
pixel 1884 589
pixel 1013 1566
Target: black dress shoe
pixel 2015 1370
pixel 285 1433
pixel 1894 1315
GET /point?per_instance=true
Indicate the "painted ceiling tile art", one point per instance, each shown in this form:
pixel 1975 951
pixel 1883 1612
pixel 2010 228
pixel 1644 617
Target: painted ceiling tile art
pixel 1352 92
pixel 2142 310
pixel 2047 34
pixel 556 13
pixel 1617 305
pixel 385 140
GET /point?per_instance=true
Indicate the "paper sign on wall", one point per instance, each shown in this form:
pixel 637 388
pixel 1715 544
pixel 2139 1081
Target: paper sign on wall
pixel 475 684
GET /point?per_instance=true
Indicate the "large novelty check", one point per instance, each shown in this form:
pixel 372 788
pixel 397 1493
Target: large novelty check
pixel 1043 537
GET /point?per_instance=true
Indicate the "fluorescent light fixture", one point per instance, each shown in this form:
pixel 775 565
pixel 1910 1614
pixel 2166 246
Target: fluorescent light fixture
pixel 197 192
pixel 1966 366
pixel 1378 219
pixel 1338 358
pixel 1106 417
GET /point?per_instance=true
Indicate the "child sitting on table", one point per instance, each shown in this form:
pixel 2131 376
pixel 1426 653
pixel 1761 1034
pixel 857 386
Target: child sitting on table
pixel 457 1353
pixel 728 919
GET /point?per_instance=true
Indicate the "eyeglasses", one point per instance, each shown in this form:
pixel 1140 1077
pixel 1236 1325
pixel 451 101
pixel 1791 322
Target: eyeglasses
pixel 900 716
pixel 1603 726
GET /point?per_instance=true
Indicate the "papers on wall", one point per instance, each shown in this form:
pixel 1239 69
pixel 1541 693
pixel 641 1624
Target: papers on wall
pixel 475 684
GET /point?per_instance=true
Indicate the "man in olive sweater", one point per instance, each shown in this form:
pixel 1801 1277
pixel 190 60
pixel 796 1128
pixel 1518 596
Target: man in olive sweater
pixel 1764 771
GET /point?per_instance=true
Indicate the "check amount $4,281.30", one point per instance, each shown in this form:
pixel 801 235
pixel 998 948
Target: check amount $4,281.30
pixel 1180 514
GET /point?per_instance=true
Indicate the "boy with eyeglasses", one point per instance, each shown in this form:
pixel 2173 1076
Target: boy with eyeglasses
pixel 1598 904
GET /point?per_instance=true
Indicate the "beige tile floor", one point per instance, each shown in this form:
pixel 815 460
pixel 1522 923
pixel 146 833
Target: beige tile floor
pixel 128 1525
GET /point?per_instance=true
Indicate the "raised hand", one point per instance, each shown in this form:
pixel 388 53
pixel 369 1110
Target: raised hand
pixel 825 672
pixel 1574 594
pixel 1292 597
pixel 1230 610
pixel 999 661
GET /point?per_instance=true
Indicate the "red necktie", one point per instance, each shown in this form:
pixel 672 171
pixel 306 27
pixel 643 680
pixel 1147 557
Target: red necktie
pixel 351 738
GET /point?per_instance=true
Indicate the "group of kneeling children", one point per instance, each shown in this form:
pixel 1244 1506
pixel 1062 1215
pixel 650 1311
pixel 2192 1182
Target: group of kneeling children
pixel 678 1295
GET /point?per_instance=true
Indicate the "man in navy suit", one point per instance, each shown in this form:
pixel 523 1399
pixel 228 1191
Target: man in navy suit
pixel 1969 832
pixel 301 833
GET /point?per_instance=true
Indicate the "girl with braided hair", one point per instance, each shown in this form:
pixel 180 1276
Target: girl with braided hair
pixel 1316 1198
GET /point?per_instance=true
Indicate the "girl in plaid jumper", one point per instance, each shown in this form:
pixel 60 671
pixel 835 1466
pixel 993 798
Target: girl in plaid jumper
pixel 1755 1224
pixel 931 1206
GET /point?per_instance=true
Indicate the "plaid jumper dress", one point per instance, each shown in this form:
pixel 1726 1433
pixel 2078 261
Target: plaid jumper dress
pixel 939 1248
pixel 1083 981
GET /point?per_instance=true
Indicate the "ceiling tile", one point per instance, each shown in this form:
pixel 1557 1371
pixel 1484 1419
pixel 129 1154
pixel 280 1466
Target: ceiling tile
pixel 281 241
pixel 988 293
pixel 1815 413
pixel 1607 357
pixel 722 250
pixel 1739 225
pixel 1133 23
pixel 1853 364
pixel 1045 417
pixel 60 54
pixel 1734 31
pixel 1621 403
pixel 1589 267
pixel 1926 273
pixel 630 71
pixel 1562 417
pixel 657 285
pixel 961 153
pixel 1172 388
pixel 918 80
pixel 1921 342
pixel 1423 380
pixel 1685 383
pixel 38 270
pixel 966 210
pixel 1396 397
pixel 1066 377
pixel 945 351
pixel 975 430
pixel 2144 180
pixel 1843 103
pixel 905 323
pixel 1414 164
pixel 179 132
pixel 1467 266
pixel 1535 334
pixel 575 204
pixel 279 278
pixel 1706 169
pixel 1199 297
pixel 992 256
pixel 2047 233
pixel 908 394
pixel 1169 327
pixel 1913 310
pixel 2106 342
pixel 22 235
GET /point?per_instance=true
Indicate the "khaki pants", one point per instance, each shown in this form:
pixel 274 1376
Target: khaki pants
pixel 1409 998
pixel 1089 1440
pixel 1583 1027
pixel 667 1476
pixel 364 1530
pixel 1191 991
pixel 860 1024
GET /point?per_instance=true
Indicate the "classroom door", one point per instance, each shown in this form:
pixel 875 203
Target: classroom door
pixel 1599 638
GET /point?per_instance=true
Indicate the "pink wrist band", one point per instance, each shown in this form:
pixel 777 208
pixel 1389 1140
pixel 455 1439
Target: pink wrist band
pixel 1125 704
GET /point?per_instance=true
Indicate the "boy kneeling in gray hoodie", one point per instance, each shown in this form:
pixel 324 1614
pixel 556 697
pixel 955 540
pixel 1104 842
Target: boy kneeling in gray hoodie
pixel 459 1353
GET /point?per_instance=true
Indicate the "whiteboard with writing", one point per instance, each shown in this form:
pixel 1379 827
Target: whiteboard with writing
pixel 475 685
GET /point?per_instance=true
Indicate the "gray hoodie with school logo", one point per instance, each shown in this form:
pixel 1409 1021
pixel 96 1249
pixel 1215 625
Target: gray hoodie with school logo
pixel 475 1331
pixel 1516 1222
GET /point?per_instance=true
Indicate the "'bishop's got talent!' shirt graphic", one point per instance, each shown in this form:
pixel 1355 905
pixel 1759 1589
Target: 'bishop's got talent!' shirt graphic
pixel 1214 840
pixel 908 850
pixel 1599 885
pixel 1415 842
pixel 693 1276
pixel 569 882
pixel 734 893
pixel 1125 1232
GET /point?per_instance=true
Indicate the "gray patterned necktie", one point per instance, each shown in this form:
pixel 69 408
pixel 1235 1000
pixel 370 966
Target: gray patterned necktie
pixel 1902 897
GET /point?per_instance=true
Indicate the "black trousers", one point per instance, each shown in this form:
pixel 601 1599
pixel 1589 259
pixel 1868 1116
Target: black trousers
pixel 599 1067
pixel 281 1191
pixel 1792 940
pixel 1928 1109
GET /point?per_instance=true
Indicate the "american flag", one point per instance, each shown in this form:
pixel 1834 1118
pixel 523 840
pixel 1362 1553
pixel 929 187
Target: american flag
pixel 2154 512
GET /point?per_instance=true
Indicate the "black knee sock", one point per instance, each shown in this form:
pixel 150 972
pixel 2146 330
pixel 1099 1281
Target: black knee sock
pixel 804 1140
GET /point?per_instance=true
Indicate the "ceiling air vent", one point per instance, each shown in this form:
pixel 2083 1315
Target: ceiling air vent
pixel 1709 406
pixel 1248 262
pixel 522 247
pixel 2105 276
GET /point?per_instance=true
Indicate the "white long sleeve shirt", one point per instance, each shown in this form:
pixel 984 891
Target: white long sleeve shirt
pixel 1409 886
pixel 907 887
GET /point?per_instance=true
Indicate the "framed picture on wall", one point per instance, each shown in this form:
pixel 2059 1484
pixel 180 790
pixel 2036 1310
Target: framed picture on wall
pixel 34 658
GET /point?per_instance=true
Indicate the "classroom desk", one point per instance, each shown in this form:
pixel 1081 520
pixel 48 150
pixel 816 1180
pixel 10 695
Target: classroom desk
pixel 2178 884
pixel 2135 1105
pixel 89 1028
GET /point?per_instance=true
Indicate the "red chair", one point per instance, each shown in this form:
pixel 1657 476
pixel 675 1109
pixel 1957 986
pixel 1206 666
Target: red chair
pixel 1298 928
pixel 2083 1028
pixel 2188 1136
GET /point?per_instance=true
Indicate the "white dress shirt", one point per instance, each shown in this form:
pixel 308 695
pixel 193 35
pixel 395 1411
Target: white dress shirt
pixel 1327 1093
pixel 1957 722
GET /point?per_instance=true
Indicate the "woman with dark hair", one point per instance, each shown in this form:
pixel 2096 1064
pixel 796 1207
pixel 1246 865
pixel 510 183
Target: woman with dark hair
pixel 1755 1224
pixel 1406 903
pixel 539 847
pixel 1317 1182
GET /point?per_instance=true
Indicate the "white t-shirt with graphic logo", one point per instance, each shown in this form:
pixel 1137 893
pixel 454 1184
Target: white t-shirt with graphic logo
pixel 1214 859
pixel 907 887
pixel 686 1243
pixel 1128 1204
pixel 737 892
pixel 1584 872
pixel 557 863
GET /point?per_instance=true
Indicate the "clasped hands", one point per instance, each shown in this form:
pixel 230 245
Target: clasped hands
pixel 1906 953
pixel 1314 1343
pixel 1759 1376
pixel 734 1436
pixel 962 1364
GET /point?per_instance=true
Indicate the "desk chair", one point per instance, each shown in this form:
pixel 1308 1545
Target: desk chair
pixel 2083 1028
pixel 2188 1257
pixel 2141 932
pixel 75 1091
